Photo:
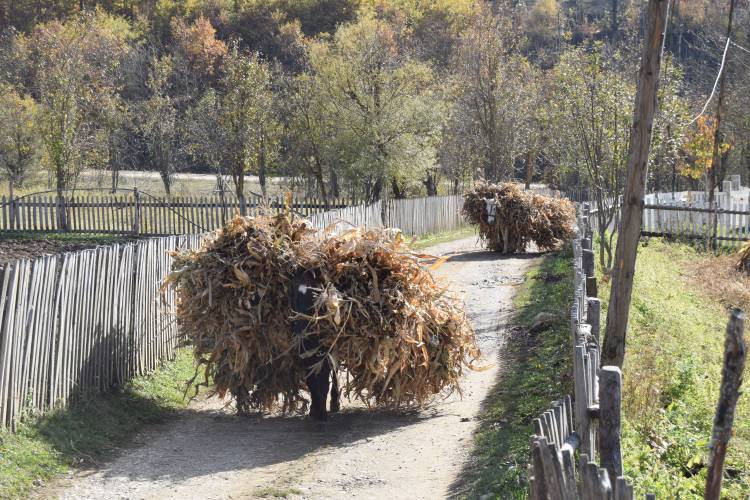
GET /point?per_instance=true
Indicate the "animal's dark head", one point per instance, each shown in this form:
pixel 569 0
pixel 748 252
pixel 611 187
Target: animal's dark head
pixel 301 295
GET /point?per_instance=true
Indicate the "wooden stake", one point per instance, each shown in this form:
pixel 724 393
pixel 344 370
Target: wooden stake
pixel 735 352
pixel 632 203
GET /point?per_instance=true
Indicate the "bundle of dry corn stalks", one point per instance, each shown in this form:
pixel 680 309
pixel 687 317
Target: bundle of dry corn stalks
pixel 744 254
pixel 509 218
pixel 380 316
pixel 400 338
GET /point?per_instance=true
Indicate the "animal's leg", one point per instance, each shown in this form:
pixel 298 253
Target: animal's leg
pixel 335 403
pixel 324 378
pixel 317 407
pixel 318 384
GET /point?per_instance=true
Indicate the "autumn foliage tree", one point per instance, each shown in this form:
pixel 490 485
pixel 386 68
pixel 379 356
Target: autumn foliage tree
pixel 19 143
pixel 698 149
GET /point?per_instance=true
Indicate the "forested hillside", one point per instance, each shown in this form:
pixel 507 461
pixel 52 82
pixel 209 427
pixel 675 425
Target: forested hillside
pixel 367 98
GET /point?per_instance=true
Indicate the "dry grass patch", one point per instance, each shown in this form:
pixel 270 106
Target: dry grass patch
pixel 720 279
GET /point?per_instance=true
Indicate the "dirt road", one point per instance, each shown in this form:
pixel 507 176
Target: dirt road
pixel 209 453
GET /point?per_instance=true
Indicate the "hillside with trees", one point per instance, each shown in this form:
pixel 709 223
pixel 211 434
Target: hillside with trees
pixel 363 98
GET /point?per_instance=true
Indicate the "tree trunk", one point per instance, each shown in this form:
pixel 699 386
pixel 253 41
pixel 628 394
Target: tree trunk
pixel 321 182
pixel 718 139
pixel 430 184
pixel 529 168
pixel 12 204
pixel 396 188
pixel 115 179
pixel 262 168
pixel 375 191
pixel 239 186
pixel 166 179
pixel 62 211
pixel 613 23
pixel 613 352
pixel 335 190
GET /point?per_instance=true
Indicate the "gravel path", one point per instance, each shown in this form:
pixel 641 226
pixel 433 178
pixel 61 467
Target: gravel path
pixel 209 453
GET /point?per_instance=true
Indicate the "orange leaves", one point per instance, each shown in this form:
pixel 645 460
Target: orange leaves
pixel 199 44
pixel 698 147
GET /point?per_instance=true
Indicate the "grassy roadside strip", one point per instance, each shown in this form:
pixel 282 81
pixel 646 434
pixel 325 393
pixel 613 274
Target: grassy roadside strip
pixel 536 370
pixel 672 374
pixel 46 446
pixel 428 240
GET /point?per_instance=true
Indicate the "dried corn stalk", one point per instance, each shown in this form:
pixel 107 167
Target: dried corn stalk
pixel 397 335
pixel 519 217
pixel 744 254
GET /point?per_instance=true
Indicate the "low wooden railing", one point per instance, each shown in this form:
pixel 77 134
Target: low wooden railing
pixel 588 423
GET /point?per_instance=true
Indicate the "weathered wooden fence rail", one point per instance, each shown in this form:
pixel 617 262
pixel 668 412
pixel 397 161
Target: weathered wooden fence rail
pixel 692 222
pixel 418 216
pixel 136 213
pixel 87 321
pixel 590 421
pixel 83 322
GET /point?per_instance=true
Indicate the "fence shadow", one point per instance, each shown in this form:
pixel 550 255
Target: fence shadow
pixel 488 255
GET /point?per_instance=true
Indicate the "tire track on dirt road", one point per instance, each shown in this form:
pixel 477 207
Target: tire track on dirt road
pixel 210 453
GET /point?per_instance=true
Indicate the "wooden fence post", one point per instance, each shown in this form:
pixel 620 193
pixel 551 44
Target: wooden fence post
pixel 613 350
pixel 594 311
pixel 587 257
pixel 136 211
pixel 583 425
pixel 12 213
pixel 610 393
pixel 735 351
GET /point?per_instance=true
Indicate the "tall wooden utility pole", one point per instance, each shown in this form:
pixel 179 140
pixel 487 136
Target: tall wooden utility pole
pixel 632 202
pixel 713 174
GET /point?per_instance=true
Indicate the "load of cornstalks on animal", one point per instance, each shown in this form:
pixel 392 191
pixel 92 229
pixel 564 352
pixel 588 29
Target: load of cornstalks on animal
pixel 510 218
pixel 743 264
pixel 396 336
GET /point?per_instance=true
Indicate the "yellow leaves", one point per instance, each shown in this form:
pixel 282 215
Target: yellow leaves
pixel 699 148
pixel 199 44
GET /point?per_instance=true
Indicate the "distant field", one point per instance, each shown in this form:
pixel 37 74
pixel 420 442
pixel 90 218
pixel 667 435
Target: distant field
pixel 150 182
pixel 186 184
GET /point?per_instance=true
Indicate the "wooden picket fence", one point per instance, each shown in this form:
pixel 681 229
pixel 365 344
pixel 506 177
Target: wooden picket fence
pixel 418 216
pixel 83 322
pixel 88 321
pixel 589 424
pixel 136 213
pixel 337 221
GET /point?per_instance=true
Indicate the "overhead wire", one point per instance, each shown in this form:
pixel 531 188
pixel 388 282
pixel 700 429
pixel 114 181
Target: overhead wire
pixel 716 83
pixel 739 46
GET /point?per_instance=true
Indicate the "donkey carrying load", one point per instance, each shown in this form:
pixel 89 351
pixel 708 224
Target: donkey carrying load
pixel 272 308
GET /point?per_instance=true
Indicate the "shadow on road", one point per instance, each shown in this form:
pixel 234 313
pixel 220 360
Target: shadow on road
pixel 206 442
pixel 486 255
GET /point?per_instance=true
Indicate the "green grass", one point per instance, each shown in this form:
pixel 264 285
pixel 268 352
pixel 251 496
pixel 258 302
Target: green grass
pixel 672 373
pixel 535 372
pixel 431 239
pixel 46 446
pixel 275 492
pixel 183 185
